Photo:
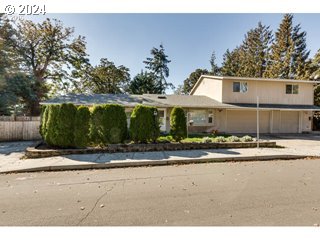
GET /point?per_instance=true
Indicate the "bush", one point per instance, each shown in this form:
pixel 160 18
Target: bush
pixel 165 139
pixel 114 124
pixel 66 125
pixel 96 131
pixel 233 139
pixel 51 127
pixel 43 120
pixel 246 138
pixel 206 140
pixel 82 125
pixel 178 124
pixel 220 139
pixel 109 124
pixel 144 124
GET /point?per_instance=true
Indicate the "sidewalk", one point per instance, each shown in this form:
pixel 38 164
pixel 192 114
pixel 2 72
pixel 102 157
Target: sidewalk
pixel 11 153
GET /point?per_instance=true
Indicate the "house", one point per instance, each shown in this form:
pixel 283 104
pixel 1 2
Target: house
pixel 225 104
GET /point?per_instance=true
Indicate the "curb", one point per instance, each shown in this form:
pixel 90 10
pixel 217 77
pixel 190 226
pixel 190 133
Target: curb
pixel 154 163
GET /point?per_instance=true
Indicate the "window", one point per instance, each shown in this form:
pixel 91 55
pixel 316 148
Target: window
pixel 201 117
pixel 198 117
pixel 241 87
pixel 161 117
pixel 292 88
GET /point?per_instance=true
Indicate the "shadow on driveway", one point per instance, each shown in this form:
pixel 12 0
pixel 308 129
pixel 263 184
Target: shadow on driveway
pixel 6 148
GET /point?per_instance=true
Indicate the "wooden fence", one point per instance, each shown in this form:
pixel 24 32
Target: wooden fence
pixel 19 128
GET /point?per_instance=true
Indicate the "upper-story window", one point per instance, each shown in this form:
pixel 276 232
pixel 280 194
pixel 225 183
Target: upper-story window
pixel 241 87
pixel 292 88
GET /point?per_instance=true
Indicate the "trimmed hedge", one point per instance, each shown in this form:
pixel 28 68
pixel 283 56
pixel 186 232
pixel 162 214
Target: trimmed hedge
pixel 43 120
pixel 96 131
pixel 82 127
pixel 51 130
pixel 178 124
pixel 144 124
pixel 109 124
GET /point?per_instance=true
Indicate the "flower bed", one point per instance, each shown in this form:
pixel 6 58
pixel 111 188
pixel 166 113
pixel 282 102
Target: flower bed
pixel 40 150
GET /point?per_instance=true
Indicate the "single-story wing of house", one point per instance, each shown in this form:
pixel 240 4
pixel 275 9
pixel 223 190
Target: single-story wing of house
pixel 224 104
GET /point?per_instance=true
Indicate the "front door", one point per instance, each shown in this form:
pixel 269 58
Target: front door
pixel 162 119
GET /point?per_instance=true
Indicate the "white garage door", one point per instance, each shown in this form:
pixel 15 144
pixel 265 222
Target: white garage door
pixel 289 122
pixel 239 121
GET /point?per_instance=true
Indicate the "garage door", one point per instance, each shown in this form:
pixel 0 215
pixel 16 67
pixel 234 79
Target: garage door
pixel 239 121
pixel 289 122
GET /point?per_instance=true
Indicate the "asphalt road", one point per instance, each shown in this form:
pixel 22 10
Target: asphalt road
pixel 268 193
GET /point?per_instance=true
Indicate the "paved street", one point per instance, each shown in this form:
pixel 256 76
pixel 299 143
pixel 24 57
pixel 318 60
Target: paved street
pixel 218 194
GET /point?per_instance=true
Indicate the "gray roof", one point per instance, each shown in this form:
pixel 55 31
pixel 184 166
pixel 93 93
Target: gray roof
pixel 158 100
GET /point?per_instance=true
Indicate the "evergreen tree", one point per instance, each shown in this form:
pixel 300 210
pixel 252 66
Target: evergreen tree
pixel 255 50
pixel 231 65
pixel 289 52
pixel 158 66
pixel 143 82
pixel 189 82
pixel 215 70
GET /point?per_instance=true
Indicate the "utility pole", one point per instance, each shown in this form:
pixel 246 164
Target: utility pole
pixel 258 132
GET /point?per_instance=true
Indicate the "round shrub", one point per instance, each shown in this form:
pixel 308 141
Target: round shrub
pixel 206 140
pixel 65 125
pixel 144 124
pixel 178 124
pixel 246 138
pixel 81 127
pixel 220 139
pixel 233 139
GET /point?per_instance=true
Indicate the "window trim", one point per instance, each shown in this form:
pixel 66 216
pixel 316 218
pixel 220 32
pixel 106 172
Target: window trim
pixel 294 88
pixel 241 84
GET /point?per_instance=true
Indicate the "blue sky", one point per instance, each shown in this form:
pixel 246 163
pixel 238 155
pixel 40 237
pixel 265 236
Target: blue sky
pixel 189 39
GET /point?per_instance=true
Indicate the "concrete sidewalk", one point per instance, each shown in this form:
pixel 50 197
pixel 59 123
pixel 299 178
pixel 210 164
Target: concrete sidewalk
pixel 11 154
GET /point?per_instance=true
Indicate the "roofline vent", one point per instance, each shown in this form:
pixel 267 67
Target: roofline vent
pixel 162 97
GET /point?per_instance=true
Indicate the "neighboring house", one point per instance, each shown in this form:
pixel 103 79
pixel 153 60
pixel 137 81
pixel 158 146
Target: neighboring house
pixel 225 104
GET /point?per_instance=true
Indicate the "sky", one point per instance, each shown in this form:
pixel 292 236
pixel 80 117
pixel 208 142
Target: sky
pixel 188 39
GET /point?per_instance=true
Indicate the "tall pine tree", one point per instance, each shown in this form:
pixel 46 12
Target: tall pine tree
pixel 289 52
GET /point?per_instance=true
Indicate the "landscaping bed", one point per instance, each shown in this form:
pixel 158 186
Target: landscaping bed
pixel 41 150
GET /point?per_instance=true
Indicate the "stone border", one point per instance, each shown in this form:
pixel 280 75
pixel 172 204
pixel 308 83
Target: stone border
pixel 33 152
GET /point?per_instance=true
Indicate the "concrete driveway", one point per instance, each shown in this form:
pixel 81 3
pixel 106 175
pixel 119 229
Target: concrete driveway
pixel 308 144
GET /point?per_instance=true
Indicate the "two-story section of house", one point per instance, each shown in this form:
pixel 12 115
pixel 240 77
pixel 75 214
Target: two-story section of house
pixel 285 105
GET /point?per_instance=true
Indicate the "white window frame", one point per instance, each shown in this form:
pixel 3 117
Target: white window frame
pixel 243 87
pixel 292 88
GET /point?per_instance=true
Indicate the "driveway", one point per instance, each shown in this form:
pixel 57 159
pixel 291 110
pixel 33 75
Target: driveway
pixel 308 144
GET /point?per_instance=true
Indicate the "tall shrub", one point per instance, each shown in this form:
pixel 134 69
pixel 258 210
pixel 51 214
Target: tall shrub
pixel 65 125
pixel 108 124
pixel 114 123
pixel 43 120
pixel 144 124
pixel 178 124
pixel 81 127
pixel 51 132
pixel 96 131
